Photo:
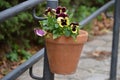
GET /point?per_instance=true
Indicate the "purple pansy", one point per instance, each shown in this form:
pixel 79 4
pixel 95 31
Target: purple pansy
pixel 39 32
pixel 62 15
pixel 60 9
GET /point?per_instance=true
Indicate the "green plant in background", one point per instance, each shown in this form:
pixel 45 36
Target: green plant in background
pixel 82 12
pixel 17 54
pixel 13 56
pixel 18 29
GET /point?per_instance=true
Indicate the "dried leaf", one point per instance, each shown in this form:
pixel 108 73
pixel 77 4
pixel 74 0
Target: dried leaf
pixel 99 55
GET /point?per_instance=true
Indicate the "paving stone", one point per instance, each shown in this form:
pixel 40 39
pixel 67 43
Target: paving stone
pixel 83 63
pixel 88 48
pixel 108 44
pixel 104 48
pixel 25 76
pixel 78 75
pixel 96 43
pixel 98 77
pixel 107 37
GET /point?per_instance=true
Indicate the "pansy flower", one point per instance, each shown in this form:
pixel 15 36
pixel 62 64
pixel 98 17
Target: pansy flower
pixel 62 19
pixel 60 9
pixel 57 23
pixel 49 12
pixel 74 27
pixel 39 32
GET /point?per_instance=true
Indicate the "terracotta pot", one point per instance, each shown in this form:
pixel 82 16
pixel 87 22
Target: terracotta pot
pixel 64 53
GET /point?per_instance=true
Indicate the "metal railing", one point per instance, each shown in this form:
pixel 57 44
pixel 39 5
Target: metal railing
pixel 47 75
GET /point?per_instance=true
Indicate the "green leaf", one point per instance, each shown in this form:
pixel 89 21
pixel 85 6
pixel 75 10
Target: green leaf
pixel 13 56
pixel 25 54
pixel 56 25
pixel 55 36
pixel 1 36
pixel 44 22
pixel 74 36
pixel 54 31
pixel 67 33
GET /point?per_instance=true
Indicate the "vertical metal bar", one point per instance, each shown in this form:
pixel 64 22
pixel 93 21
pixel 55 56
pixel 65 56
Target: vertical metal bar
pixel 52 3
pixel 115 42
pixel 47 74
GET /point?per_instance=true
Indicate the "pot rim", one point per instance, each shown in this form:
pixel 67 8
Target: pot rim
pixel 81 38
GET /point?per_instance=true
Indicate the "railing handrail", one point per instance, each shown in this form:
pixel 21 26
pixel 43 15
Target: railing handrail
pixel 10 12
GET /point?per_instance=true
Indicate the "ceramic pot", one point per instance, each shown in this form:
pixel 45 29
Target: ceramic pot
pixel 64 53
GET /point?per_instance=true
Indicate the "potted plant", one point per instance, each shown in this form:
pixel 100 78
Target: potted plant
pixel 63 38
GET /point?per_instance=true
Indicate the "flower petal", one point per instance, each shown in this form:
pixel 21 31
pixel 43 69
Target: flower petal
pixel 39 32
pixel 59 21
